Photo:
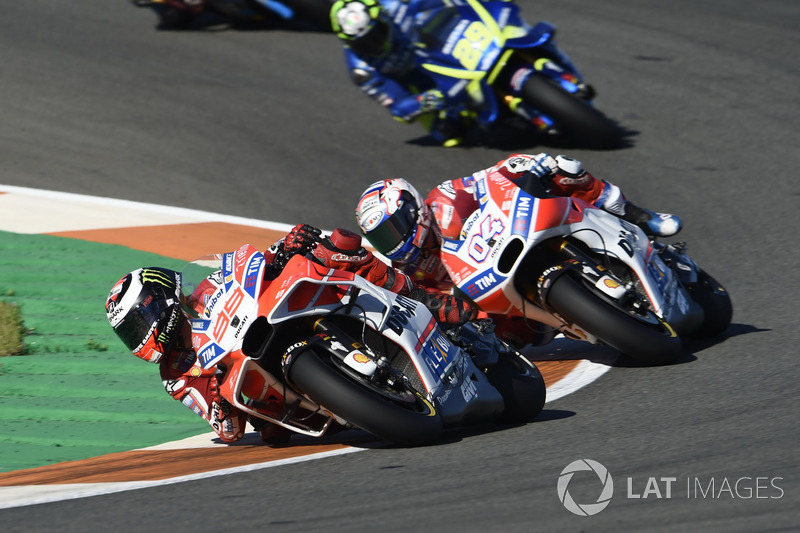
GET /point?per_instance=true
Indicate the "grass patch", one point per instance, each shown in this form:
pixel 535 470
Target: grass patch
pixel 12 330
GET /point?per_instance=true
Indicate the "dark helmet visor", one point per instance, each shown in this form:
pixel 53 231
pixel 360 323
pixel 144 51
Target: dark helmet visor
pixel 141 322
pixel 395 230
pixel 376 42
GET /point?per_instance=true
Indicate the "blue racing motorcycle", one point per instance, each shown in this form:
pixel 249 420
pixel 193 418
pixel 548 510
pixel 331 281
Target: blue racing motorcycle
pixel 485 57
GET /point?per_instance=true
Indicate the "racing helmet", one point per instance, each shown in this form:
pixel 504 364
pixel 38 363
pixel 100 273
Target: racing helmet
pixel 144 308
pixel 394 218
pixel 363 25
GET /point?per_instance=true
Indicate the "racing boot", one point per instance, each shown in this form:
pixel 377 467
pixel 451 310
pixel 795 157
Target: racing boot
pixel 570 179
pixel 653 224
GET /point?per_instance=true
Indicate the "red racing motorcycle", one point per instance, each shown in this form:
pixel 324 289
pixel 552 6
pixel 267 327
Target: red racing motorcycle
pixel 335 349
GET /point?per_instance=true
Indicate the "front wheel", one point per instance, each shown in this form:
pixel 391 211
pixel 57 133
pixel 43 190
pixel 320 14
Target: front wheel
pixel 716 304
pixel 395 413
pixel 520 384
pixel 644 337
pixel 572 116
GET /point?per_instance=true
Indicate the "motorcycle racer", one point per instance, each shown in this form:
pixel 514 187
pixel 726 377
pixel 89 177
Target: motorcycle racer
pixel 408 229
pixel 380 43
pixel 148 312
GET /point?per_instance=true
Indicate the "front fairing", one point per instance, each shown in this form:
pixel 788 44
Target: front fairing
pixel 224 303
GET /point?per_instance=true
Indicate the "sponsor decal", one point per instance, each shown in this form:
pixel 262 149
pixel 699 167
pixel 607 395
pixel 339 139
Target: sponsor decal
pixel 402 310
pixel 371 220
pixel 483 283
pixel 359 357
pixel 522 216
pixel 454 37
pixel 241 324
pixel 447 189
pixel 451 246
pixel 480 243
pixel 158 277
pixel 209 354
pixel 469 390
pixel 212 301
pixel 173 385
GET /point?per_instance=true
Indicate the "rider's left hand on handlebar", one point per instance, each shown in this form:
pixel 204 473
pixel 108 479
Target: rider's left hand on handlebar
pixel 302 239
pixel 542 165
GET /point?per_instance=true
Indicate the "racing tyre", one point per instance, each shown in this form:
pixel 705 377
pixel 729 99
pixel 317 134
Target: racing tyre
pixel 715 301
pixel 572 116
pixel 520 384
pixel 646 338
pixel 397 414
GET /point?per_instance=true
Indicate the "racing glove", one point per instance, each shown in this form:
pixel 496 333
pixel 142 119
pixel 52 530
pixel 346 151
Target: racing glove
pixel 446 308
pixel 432 100
pixel 343 251
pixel 302 239
pixel 540 165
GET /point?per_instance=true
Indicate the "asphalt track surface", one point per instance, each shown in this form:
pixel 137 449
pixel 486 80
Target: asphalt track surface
pixel 265 124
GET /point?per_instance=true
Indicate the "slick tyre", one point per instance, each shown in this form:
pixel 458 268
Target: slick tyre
pixel 574 117
pixel 520 384
pixel 647 338
pixel 715 301
pixel 410 422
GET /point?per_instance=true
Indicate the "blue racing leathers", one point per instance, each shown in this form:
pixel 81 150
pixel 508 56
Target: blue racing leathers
pixel 397 82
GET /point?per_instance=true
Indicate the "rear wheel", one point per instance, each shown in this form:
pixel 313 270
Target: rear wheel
pixel 520 384
pixel 393 412
pixel 572 116
pixel 642 336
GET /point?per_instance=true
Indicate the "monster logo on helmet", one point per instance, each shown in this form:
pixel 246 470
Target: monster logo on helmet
pixel 158 276
pixel 144 310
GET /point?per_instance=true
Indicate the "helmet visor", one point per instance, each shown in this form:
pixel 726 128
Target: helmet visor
pixel 376 42
pixel 395 231
pixel 137 327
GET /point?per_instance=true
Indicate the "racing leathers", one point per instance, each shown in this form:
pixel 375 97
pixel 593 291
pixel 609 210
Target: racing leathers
pixel 396 81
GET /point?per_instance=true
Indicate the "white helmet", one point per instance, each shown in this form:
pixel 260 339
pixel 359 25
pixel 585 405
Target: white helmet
pixel 394 218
